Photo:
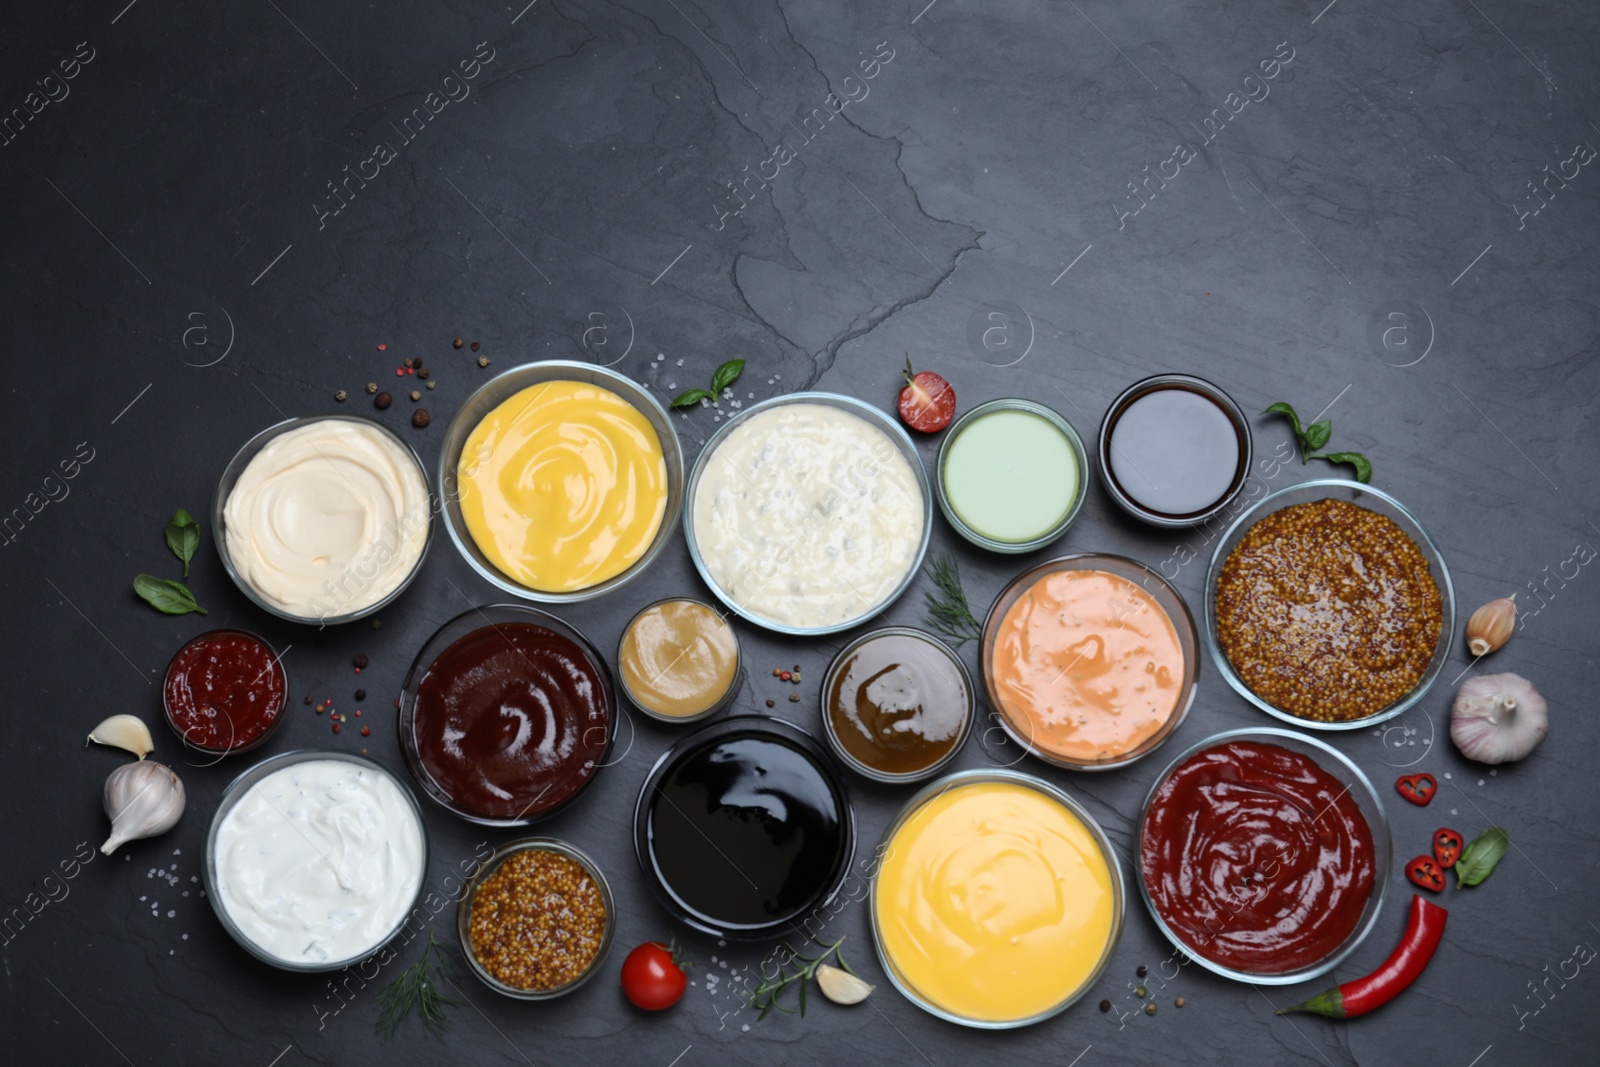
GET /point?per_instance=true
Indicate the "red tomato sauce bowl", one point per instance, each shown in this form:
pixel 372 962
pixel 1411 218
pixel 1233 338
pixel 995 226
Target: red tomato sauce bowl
pixel 1264 855
pixel 225 691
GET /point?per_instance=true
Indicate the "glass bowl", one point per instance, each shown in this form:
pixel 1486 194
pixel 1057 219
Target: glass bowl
pixel 735 728
pixel 721 702
pixel 230 478
pixel 235 792
pixel 934 647
pixel 502 387
pixel 1373 500
pixel 1367 800
pixel 1055 419
pixel 486 868
pixel 873 417
pixel 460 626
pixel 937 788
pixel 1165 596
pixel 277 668
pixel 1189 383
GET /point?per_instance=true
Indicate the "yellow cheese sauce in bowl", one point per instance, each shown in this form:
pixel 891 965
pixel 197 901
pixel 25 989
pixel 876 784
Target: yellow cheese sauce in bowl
pixel 562 480
pixel 998 900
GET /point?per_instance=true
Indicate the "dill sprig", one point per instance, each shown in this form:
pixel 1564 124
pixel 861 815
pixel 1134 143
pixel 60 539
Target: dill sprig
pixel 766 995
pixel 948 612
pixel 417 988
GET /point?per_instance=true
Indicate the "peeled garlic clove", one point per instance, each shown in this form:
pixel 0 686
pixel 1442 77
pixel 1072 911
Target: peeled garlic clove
pixel 124 731
pixel 1498 718
pixel 142 799
pixel 1491 625
pixel 841 986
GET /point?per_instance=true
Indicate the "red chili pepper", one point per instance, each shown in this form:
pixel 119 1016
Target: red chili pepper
pixel 1446 847
pixel 1425 873
pixel 1417 788
pixel 1423 933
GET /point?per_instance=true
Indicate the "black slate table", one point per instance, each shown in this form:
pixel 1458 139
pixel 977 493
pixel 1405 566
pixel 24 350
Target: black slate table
pixel 215 215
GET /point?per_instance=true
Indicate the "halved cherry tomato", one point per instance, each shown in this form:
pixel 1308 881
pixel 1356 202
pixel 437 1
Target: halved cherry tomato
pixel 1425 873
pixel 927 403
pixel 652 976
pixel 1446 847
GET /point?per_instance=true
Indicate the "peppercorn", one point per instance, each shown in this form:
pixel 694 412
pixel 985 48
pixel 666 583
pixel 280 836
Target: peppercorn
pixel 406 363
pixel 794 698
pixel 784 676
pixel 366 731
pixel 1178 1003
pixel 1142 971
pixel 416 395
pixel 1105 1005
pixel 372 387
pixel 308 700
pixel 777 672
pixel 474 346
pixel 1141 992
pixel 339 396
pixel 358 713
pixel 399 372
pixel 382 401
pixel 360 661
pixel 457 343
pixel 432 384
pixel 335 727
pixel 769 703
pixel 1150 1008
pixel 383 348
pixel 483 361
pixel 420 418
pixel 422 372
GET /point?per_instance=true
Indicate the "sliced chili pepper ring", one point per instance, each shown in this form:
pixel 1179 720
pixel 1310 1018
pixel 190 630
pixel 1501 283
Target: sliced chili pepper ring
pixel 1447 845
pixel 1424 872
pixel 1417 788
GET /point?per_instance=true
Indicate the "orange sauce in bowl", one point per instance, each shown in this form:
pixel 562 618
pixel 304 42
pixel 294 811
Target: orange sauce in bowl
pixel 1087 666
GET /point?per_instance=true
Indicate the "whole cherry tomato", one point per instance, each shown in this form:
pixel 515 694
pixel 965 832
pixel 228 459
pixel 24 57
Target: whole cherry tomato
pixel 652 976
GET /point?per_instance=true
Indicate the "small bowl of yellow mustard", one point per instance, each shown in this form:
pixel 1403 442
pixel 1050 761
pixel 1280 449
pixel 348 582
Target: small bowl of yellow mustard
pixel 560 481
pixel 678 660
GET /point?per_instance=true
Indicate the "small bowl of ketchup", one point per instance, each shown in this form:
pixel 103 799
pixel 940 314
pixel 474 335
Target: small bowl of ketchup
pixel 225 692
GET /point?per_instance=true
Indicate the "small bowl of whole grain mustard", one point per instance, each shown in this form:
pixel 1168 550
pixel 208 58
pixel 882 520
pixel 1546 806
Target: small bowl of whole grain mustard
pixel 536 919
pixel 1328 606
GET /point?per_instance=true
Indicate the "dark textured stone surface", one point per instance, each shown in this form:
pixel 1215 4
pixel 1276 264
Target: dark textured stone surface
pixel 176 279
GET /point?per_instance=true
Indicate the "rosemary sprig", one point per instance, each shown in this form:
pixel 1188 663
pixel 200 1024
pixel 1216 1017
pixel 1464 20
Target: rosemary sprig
pixel 417 988
pixel 948 612
pixel 766 995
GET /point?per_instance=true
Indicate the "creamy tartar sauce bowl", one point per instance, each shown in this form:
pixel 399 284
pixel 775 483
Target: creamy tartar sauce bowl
pixel 315 859
pixel 323 519
pixel 809 512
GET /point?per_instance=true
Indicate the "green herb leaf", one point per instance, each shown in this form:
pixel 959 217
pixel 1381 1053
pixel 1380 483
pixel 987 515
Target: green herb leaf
pixel 172 598
pixel 690 398
pixel 1287 411
pixel 726 375
pixel 183 537
pixel 1480 857
pixel 1317 434
pixel 947 610
pixel 417 989
pixel 1355 459
pixel 767 994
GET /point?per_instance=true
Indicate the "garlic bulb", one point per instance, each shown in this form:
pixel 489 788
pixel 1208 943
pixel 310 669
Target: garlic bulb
pixel 142 800
pixel 1491 625
pixel 126 732
pixel 1498 718
pixel 841 986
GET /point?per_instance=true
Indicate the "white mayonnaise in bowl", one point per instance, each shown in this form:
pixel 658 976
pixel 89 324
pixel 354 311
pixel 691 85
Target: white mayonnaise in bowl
pixel 323 519
pixel 808 513
pixel 314 860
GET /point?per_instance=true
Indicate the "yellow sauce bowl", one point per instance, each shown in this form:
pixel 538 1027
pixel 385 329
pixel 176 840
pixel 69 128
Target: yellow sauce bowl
pixel 997 900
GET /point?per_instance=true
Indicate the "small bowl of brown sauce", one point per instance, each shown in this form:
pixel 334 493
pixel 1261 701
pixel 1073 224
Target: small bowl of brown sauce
pixel 897 705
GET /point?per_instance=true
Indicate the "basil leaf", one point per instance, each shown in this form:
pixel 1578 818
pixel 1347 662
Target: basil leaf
pixel 169 597
pixel 1479 858
pixel 183 537
pixel 1317 434
pixel 1355 459
pixel 1280 408
pixel 726 375
pixel 690 398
